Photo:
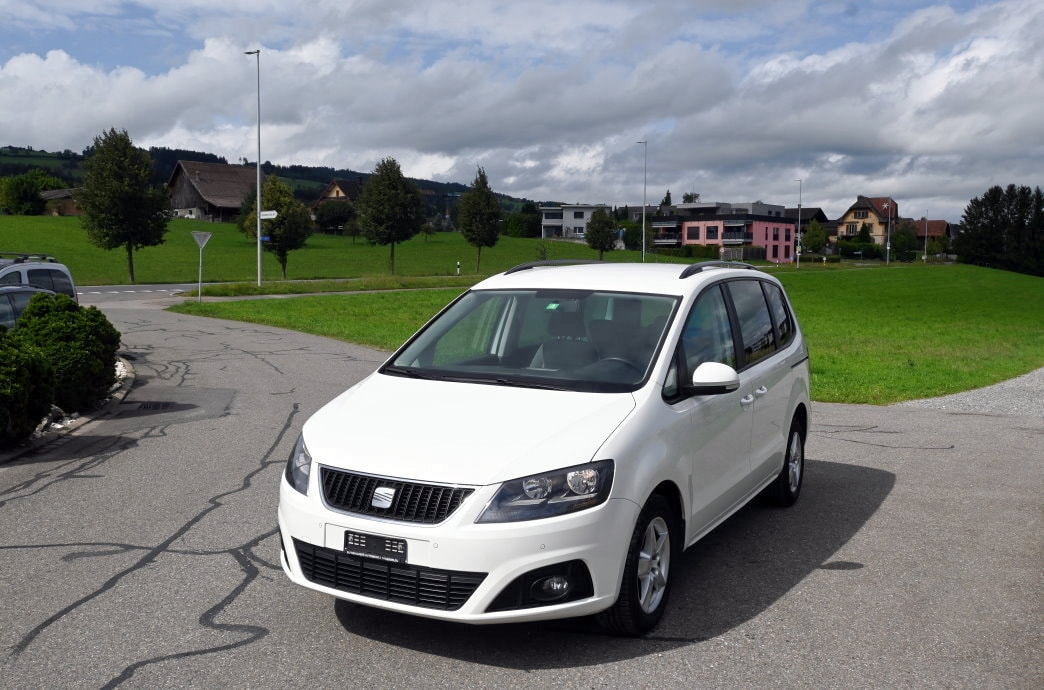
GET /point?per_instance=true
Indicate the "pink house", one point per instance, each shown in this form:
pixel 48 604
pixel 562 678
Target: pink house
pixel 752 224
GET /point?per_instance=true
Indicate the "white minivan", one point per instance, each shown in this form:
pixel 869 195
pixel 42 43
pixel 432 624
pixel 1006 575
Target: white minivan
pixel 548 444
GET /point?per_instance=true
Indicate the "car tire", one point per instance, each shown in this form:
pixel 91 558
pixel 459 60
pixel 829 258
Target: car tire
pixel 652 553
pixel 784 491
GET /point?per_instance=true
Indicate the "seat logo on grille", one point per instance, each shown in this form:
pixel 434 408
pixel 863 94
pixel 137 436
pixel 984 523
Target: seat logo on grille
pixel 382 497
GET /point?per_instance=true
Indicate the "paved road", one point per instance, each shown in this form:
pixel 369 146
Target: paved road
pixel 141 551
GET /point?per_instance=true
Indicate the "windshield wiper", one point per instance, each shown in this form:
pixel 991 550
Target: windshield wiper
pixel 411 373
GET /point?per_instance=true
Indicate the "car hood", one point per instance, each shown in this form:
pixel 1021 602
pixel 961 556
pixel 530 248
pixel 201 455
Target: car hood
pixel 460 433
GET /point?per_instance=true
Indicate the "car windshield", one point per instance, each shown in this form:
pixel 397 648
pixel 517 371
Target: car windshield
pixel 560 339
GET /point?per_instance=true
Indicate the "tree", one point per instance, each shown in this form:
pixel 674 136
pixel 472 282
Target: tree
pixel 526 223
pixel 120 208
pixel 904 241
pixel 601 232
pixel 814 238
pixel 479 216
pixel 864 234
pixel 390 207
pixel 666 199
pixel 690 198
pixel 1004 228
pixel 291 227
pixel 20 194
pixel 335 217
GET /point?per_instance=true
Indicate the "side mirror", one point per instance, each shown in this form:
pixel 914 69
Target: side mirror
pixel 713 378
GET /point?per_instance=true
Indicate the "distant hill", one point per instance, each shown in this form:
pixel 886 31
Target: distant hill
pixel 307 181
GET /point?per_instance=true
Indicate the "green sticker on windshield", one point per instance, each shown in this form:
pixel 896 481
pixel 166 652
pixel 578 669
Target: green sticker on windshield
pixel 552 306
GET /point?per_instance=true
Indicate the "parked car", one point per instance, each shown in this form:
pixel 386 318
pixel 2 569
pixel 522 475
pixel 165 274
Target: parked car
pixel 13 301
pixel 38 270
pixel 548 444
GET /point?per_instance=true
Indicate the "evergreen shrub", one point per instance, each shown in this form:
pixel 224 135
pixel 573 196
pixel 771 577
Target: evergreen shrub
pixel 79 344
pixel 26 389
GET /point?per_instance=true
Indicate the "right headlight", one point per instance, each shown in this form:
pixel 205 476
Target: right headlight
pixel 550 493
pixel 299 466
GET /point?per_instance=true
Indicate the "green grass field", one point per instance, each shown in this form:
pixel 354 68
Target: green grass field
pixel 876 335
pixel 232 256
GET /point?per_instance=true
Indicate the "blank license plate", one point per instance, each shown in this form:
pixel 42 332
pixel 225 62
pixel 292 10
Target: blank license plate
pixel 373 546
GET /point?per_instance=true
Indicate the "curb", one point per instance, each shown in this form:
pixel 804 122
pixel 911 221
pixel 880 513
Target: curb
pixel 39 439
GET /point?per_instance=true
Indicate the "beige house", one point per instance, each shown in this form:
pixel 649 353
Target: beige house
pixel 874 211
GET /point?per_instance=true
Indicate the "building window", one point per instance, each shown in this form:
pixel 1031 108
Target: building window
pixel 786 251
pixel 578 214
pixel 862 214
pixel 775 251
pixel 786 236
pixel 712 232
pixel 775 234
pixel 850 229
pixel 692 233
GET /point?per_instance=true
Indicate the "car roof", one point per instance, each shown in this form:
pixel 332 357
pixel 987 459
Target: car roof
pixel 665 279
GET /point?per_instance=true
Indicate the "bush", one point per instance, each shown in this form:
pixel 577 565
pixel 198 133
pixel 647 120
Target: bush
pixel 869 250
pixel 26 389
pixel 79 343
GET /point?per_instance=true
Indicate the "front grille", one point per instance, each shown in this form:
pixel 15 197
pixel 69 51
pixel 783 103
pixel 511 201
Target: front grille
pixel 424 503
pixel 429 588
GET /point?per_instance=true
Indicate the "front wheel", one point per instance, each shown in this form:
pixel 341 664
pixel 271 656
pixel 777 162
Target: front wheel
pixel 784 491
pixel 646 580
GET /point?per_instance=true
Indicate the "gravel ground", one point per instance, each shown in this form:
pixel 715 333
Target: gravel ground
pixel 1022 396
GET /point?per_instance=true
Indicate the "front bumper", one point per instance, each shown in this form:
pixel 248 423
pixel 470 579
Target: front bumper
pixel 456 569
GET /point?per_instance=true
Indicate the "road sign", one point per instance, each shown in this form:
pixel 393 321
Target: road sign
pixel 201 239
pixel 266 238
pixel 269 215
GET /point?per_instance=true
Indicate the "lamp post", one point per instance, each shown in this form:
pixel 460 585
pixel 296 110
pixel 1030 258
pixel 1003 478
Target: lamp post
pixel 797 235
pixel 888 237
pixel 924 257
pixel 257 209
pixel 645 184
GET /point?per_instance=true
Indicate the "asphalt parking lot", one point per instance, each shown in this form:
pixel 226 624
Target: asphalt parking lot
pixel 140 551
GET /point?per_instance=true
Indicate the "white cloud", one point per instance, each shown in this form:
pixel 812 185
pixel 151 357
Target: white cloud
pixel 930 104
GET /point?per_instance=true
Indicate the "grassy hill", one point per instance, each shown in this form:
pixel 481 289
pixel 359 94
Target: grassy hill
pixel 232 256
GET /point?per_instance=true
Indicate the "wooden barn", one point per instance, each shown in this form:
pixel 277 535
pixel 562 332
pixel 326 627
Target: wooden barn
pixel 210 191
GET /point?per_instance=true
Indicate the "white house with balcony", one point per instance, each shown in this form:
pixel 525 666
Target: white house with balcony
pixel 568 221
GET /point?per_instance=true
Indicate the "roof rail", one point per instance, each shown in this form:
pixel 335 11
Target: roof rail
pixel 22 257
pixel 693 269
pixel 550 262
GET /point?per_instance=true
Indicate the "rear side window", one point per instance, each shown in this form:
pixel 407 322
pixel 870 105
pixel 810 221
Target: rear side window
pixel 755 322
pixel 780 314
pixel 62 283
pixel 11 278
pixel 41 278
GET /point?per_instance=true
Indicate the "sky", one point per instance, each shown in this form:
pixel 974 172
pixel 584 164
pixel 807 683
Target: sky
pixel 810 101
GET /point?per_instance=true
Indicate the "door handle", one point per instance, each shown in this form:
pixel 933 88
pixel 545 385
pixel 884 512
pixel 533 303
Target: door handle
pixel 747 399
pixel 760 391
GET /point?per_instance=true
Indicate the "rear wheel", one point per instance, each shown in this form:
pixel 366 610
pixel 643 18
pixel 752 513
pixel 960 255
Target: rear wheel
pixel 646 580
pixel 787 487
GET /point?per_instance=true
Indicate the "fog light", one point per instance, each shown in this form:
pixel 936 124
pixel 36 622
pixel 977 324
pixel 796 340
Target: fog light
pixel 551 588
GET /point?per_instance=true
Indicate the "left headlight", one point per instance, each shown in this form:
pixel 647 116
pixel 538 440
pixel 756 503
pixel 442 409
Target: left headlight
pixel 550 493
pixel 299 466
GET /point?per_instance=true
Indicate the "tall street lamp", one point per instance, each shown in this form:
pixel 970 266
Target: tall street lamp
pixel 257 209
pixel 797 235
pixel 924 257
pixel 645 185
pixel 888 237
